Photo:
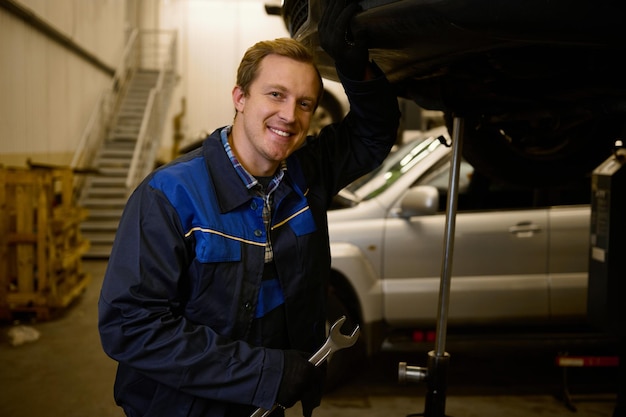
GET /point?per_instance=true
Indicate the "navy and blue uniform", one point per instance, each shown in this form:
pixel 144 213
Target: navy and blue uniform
pixel 179 301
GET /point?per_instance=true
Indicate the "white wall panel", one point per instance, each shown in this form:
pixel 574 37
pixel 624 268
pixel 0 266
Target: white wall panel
pixel 35 137
pixel 48 92
pixel 12 83
pixel 77 111
pixel 57 97
pixel 96 25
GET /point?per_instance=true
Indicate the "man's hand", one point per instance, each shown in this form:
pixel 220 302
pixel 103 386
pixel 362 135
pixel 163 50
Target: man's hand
pixel 301 381
pixel 349 50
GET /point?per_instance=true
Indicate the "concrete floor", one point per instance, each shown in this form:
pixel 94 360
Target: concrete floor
pixel 65 373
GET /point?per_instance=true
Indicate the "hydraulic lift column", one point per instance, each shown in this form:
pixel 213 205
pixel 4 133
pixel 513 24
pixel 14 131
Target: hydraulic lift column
pixel 436 373
pixel 606 295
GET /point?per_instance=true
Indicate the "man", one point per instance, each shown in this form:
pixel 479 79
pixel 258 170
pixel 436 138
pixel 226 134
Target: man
pixel 214 295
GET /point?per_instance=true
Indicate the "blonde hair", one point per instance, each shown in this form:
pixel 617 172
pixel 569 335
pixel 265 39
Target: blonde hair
pixel 287 47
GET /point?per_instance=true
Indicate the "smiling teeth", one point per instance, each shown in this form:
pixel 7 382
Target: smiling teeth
pixel 280 132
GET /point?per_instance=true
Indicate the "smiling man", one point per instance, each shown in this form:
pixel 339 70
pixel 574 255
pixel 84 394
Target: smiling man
pixel 215 291
pixel 274 111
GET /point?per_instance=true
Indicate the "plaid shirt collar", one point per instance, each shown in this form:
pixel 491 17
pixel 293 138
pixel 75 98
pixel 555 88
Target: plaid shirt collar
pixel 249 180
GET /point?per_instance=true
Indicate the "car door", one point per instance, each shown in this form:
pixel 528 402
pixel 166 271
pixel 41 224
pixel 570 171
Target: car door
pixel 569 261
pixel 499 262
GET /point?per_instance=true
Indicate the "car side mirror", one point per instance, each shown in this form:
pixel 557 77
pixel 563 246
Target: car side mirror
pixel 420 200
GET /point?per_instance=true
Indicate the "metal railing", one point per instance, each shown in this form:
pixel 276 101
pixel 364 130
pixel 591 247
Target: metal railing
pixel 103 113
pixel 145 50
pixel 160 54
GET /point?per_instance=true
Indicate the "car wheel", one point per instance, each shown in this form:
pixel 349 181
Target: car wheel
pixel 342 364
pixel 530 154
pixel 328 111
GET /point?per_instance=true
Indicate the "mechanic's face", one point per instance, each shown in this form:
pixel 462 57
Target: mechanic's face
pixel 273 119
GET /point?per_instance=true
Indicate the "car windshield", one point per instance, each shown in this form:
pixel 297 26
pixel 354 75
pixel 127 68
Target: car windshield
pixel 396 165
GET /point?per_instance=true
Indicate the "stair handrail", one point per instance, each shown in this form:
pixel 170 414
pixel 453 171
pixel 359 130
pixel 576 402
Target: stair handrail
pixel 151 129
pixel 108 102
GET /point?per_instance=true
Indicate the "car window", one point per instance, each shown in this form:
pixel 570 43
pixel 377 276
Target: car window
pixel 479 192
pixel 396 165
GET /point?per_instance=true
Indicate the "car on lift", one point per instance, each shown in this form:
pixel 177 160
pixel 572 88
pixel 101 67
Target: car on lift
pixel 539 83
pixel 520 253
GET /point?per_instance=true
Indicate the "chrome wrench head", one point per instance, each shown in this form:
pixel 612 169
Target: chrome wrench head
pixel 340 340
pixel 335 341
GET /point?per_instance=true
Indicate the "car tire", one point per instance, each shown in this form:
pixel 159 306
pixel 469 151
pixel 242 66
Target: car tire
pixel 342 364
pixel 527 156
pixel 328 111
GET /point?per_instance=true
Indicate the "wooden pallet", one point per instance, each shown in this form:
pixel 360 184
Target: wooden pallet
pixel 40 242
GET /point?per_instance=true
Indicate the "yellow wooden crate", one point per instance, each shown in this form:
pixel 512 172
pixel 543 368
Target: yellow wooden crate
pixel 40 241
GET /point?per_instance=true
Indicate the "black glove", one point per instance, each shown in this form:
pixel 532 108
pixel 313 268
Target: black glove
pixel 301 381
pixel 349 50
pixel 313 397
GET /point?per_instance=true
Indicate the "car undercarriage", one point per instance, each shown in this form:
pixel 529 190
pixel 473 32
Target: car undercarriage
pixel 538 83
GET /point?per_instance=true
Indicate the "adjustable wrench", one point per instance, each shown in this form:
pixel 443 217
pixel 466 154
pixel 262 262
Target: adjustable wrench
pixel 334 342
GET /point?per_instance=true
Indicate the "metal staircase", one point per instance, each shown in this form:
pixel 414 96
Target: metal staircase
pixel 120 144
pixel 105 193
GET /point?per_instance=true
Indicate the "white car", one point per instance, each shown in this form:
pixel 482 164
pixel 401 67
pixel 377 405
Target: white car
pixel 520 255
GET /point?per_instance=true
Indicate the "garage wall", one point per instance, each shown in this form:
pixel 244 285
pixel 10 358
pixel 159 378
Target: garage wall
pixel 47 92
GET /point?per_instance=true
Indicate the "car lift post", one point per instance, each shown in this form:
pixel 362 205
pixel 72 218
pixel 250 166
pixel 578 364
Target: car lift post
pixel 607 269
pixel 436 373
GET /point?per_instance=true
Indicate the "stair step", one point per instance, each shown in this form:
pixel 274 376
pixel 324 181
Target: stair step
pixel 98 182
pixel 113 171
pixel 133 119
pixel 123 129
pixel 133 127
pixel 104 213
pixel 135 107
pixel 135 100
pixel 102 251
pixel 131 131
pixel 115 148
pixel 99 225
pixel 108 182
pixel 123 137
pixel 134 113
pixel 112 162
pixel 130 117
pixel 105 192
pixel 104 202
pixel 104 165
pixel 99 237
pixel 141 79
pixel 138 93
pixel 144 84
